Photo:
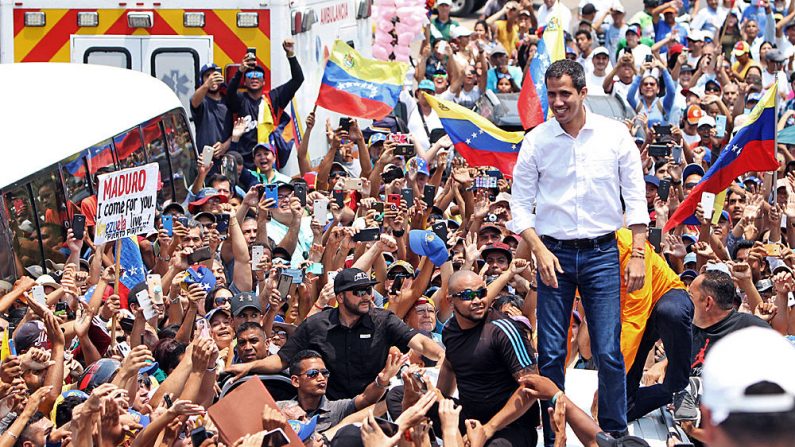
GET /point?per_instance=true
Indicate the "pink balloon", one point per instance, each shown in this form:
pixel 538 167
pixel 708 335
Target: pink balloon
pixel 402 57
pixel 402 50
pixel 380 53
pixel 385 26
pixel 405 39
pixel 384 2
pixel 387 12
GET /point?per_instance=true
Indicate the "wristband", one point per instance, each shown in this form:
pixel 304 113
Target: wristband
pixel 398 233
pixel 554 399
pixel 378 384
pixel 318 307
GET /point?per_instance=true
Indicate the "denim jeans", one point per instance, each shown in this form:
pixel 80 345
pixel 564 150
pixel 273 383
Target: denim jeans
pixel 595 272
pixel 670 320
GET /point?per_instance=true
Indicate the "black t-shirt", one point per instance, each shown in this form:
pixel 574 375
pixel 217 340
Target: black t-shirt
pixel 704 339
pixel 213 122
pixel 354 355
pixel 484 360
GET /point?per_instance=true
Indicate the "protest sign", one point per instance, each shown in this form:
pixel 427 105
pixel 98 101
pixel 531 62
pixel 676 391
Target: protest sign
pixel 126 203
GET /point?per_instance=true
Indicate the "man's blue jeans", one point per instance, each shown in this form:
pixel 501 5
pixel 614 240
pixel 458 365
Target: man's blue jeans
pixel 595 273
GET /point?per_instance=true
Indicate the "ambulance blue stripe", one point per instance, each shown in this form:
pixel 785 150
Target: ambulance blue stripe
pixel 516 341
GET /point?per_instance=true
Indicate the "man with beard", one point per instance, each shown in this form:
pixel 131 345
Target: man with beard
pixel 487 354
pixel 209 111
pixel 263 112
pixel 353 338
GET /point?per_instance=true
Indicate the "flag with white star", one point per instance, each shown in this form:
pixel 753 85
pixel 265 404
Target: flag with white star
pixel 133 270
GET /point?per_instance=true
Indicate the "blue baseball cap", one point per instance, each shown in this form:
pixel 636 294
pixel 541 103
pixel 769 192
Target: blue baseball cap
pixel 426 84
pixel 376 138
pixel 693 168
pixel 690 257
pixel 689 237
pixel 304 429
pixel 421 164
pixel 200 275
pixel 652 180
pixel 427 243
pixel 689 273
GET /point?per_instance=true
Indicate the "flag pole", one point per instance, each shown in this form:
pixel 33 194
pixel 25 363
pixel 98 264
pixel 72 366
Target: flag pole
pixel 115 292
pixel 775 144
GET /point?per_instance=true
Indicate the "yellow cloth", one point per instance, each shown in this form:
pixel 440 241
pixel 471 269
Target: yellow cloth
pixel 509 38
pixel 636 307
pixel 265 125
pixel 736 68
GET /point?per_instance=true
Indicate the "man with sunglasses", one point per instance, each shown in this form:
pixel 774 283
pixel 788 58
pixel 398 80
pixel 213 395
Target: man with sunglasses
pixel 264 111
pixel 354 338
pixel 486 355
pixel 310 377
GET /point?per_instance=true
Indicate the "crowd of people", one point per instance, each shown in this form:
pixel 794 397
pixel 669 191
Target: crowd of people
pixel 393 293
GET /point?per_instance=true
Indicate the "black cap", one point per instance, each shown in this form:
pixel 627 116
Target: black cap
pixel 244 300
pixel 588 9
pixel 353 278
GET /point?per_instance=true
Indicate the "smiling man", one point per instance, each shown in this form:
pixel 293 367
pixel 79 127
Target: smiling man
pixel 569 181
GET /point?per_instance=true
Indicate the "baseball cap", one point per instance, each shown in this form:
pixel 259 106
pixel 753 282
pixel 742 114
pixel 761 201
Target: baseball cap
pixel 30 335
pixel 497 49
pixel 427 243
pixel 421 165
pixel 689 273
pixel 690 258
pixel 210 216
pixel 686 68
pixel 767 357
pixel 652 180
pixel 741 48
pixel 263 147
pixel 764 285
pixel 695 36
pixel 689 239
pixel 402 264
pixel 243 301
pixel 203 196
pixel 426 84
pixel 706 120
pixel 377 137
pixel 497 247
pixel 600 50
pixel 352 278
pixel 305 429
pixel 460 31
pixel 753 97
pixel 775 56
pixel 694 114
pixel 503 197
pixel 173 206
pixel 718 267
pixel 618 7
pixel 713 83
pixel 444 2
pixel 672 10
pixel 47 280
pixel 634 28
pixel 588 9
pixel 692 168
pixel 205 68
pixel 215 311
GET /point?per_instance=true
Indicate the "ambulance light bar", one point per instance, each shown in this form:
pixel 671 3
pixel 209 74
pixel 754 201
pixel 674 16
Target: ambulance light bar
pixel 88 19
pixel 37 18
pixel 140 19
pixel 247 20
pixel 193 19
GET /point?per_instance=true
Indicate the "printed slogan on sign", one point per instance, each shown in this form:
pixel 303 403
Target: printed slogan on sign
pixel 126 203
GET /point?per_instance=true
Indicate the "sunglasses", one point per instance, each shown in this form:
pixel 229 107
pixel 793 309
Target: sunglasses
pixel 396 275
pixel 363 292
pixel 281 334
pixel 254 75
pixel 690 185
pixel 221 301
pixel 469 294
pixel 312 373
pixel 503 76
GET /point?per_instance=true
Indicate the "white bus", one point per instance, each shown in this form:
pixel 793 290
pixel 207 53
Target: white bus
pixel 62 123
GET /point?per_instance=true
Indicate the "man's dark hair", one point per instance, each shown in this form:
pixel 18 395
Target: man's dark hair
pixel 721 286
pixel 249 325
pixel 735 191
pixel 167 352
pixel 584 33
pixel 218 178
pixel 761 428
pixel 26 435
pixel 569 68
pixel 508 299
pixel 295 363
pixel 741 244
pixel 63 412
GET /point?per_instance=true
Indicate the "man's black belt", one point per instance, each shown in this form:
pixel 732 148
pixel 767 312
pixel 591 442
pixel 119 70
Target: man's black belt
pixel 580 243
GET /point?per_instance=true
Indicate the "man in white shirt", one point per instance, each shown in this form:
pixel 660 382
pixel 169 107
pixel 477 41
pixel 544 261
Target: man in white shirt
pixel 599 67
pixel 710 18
pixel 569 181
pixel 554 8
pixel 774 73
pixel 423 119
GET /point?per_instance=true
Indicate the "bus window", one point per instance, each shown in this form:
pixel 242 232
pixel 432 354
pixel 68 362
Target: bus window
pixel 156 148
pixel 52 213
pixel 182 154
pixel 23 226
pixel 7 267
pixel 129 150
pixel 77 183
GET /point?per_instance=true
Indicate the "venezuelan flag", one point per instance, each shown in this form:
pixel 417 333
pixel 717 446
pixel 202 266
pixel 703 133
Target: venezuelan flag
pixel 532 106
pixel 132 265
pixel 753 148
pixel 359 87
pixel 480 142
pixel 5 349
pixel 292 131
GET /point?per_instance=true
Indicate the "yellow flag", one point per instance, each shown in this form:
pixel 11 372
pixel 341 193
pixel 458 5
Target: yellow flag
pixel 5 350
pixel 720 199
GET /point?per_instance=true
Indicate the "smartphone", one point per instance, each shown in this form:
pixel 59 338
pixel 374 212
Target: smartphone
pixel 649 58
pixel 676 153
pixel 252 51
pixel 168 223
pixel 320 211
pixel 773 250
pixel 367 235
pixel 222 223
pixel 257 252
pixel 201 254
pixel 146 304
pixel 720 126
pixel 275 438
pixel 60 309
pixel 299 190
pixel 659 150
pixel 167 399
pixel 429 194
pixel 353 184
pixel 272 192
pixel 391 175
pixel 79 226
pixel 664 189
pixel 397 284
pixel 198 435
pixel 285 281
pixel 296 274
pixel 655 238
pixel 407 194
pixel 126 324
pixel 390 428
pixel 662 129
pixel 418 377
pixel 394 199
pixel 442 47
pixel 207 156
pixel 345 124
pixel 315 268
pixel 38 294
pixel 155 285
pixel 330 276
pixel 12 347
pixel 339 197
pixel 707 204
pixel 440 228
pixel 379 207
pixel 405 150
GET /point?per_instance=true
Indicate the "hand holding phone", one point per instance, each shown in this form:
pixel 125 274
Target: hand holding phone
pixel 78 226
pixel 707 204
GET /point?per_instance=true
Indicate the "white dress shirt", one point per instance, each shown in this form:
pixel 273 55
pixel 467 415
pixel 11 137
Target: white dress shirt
pixel 571 188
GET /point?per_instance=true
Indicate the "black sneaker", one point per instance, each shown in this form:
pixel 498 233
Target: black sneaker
pixel 685 408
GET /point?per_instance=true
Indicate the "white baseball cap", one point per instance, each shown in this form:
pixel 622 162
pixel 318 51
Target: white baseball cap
pixel 706 120
pixel 444 2
pixel 460 31
pixel 744 358
pixel 600 50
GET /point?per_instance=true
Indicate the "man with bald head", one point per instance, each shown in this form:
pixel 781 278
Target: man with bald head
pixel 486 355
